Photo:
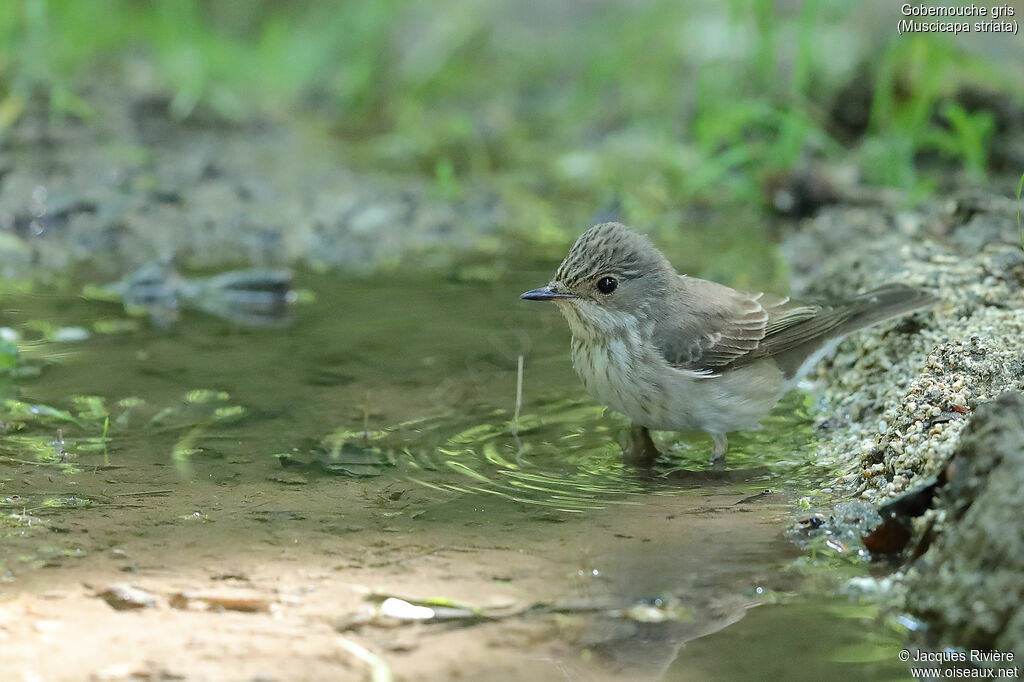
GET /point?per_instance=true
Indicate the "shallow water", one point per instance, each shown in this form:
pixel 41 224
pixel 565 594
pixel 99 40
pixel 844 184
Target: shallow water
pixel 372 445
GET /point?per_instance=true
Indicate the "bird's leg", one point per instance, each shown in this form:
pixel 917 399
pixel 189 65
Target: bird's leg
pixel 721 444
pixel 641 449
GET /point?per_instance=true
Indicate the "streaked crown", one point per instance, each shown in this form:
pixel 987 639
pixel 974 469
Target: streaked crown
pixel 612 249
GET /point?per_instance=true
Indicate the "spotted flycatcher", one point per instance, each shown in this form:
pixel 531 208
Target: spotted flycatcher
pixel 677 353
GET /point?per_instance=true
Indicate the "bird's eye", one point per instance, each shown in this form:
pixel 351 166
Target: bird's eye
pixel 606 285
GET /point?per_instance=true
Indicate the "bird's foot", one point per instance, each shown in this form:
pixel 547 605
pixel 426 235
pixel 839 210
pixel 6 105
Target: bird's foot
pixel 721 444
pixel 641 450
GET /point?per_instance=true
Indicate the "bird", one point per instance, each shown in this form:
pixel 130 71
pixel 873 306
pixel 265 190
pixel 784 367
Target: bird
pixel 679 353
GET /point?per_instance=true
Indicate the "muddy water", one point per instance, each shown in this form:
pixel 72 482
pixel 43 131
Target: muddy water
pixel 370 449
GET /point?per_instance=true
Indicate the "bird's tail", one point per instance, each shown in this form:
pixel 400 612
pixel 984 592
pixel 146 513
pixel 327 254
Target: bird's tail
pixel 890 300
pixel 797 350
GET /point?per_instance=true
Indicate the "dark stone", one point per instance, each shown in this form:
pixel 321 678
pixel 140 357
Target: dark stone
pixel 970 584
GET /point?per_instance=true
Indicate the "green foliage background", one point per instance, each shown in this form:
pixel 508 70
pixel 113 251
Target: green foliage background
pixel 663 104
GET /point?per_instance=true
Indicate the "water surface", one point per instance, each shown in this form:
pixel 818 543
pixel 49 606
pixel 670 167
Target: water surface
pixel 371 447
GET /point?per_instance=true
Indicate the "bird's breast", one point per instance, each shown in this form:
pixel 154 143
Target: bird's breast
pixel 616 373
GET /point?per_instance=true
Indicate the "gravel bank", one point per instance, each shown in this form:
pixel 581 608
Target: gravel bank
pixel 898 396
pixel 903 398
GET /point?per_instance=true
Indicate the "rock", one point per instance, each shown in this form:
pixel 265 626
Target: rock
pixel 970 583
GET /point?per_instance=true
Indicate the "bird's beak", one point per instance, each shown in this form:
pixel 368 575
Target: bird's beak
pixel 544 294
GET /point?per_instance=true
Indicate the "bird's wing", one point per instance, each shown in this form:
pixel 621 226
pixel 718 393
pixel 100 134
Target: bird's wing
pixel 714 327
pixel 709 328
pixel 793 335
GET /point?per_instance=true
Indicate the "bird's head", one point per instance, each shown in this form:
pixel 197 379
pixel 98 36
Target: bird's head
pixel 611 279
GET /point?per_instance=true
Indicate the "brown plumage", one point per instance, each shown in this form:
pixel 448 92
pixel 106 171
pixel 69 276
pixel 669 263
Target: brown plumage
pixel 744 327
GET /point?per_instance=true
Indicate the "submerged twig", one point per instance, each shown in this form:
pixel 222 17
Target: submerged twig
pixel 15 460
pixel 379 670
pixel 59 445
pixel 392 610
pixel 103 437
pixel 519 394
pixel 519 406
